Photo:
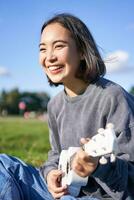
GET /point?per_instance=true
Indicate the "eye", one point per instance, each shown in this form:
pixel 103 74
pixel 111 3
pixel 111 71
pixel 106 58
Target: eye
pixel 59 46
pixel 42 49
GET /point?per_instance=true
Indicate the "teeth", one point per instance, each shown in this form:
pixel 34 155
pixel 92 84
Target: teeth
pixel 54 67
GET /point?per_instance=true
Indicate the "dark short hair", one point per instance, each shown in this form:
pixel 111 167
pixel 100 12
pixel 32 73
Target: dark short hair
pixel 92 66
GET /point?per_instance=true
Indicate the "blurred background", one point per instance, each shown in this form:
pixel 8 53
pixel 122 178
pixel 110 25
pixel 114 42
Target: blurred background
pixel 111 23
pixel 24 90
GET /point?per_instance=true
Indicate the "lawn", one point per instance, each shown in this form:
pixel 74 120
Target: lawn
pixel 26 139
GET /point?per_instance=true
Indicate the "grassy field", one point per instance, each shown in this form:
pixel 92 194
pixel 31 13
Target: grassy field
pixel 26 139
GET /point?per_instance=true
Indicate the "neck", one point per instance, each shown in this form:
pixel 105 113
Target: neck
pixel 76 89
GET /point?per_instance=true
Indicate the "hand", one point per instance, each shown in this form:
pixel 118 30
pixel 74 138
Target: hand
pixel 54 185
pixel 83 164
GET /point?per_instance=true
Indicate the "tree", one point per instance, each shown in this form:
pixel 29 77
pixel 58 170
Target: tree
pixel 3 105
pixel 132 90
pixel 9 101
pixel 12 100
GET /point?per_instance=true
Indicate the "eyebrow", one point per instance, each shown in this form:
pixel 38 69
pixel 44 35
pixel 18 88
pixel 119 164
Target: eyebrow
pixel 63 41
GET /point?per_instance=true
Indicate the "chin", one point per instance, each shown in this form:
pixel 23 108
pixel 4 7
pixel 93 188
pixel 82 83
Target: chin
pixel 56 80
pixel 56 83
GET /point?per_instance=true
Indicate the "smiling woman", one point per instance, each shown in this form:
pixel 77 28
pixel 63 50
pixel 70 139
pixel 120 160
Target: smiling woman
pixel 69 56
pixel 56 50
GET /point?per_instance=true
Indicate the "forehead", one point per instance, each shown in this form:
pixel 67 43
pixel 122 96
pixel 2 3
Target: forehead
pixel 55 31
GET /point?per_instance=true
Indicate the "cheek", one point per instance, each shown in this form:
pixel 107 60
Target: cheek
pixel 65 57
pixel 73 57
pixel 41 59
pixel 74 61
pixel 62 56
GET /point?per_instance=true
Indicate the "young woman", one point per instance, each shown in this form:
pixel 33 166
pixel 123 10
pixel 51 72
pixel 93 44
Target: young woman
pixel 69 56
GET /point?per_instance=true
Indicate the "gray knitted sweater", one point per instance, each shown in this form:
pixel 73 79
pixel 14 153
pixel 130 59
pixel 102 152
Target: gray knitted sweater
pixel 70 119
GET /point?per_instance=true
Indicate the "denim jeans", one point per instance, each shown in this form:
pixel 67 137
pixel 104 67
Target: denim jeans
pixel 19 181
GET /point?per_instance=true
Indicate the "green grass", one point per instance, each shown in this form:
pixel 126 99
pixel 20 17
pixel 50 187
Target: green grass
pixel 26 139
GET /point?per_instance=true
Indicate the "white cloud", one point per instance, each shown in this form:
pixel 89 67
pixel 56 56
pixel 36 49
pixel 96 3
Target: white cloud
pixel 4 71
pixel 117 61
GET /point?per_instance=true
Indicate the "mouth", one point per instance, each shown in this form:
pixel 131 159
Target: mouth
pixel 55 68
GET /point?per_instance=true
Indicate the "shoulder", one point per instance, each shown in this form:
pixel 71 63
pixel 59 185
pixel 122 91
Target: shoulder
pixel 113 90
pixel 117 104
pixel 112 97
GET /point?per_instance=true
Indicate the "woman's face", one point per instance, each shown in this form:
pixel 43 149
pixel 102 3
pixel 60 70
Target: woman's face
pixel 58 54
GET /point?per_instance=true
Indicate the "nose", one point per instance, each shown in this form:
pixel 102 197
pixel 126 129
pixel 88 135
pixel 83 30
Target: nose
pixel 50 56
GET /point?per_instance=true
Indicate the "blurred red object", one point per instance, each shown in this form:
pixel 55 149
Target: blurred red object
pixel 22 105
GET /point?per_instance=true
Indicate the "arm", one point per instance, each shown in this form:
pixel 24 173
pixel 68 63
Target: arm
pixel 117 179
pixel 53 154
pixel 50 168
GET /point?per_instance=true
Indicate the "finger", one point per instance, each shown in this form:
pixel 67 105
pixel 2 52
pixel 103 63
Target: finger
pixel 77 164
pixel 82 173
pixel 83 162
pixel 84 140
pixel 81 156
pixel 80 169
pixel 59 189
pixel 101 130
pixel 84 159
pixel 58 195
pixel 56 174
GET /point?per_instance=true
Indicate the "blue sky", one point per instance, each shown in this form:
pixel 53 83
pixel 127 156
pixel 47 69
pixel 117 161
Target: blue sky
pixel 110 21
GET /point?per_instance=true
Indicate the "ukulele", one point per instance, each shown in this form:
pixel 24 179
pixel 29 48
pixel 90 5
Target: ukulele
pixel 104 143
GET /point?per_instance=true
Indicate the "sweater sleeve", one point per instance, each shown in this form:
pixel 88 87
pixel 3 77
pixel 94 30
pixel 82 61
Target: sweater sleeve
pixel 53 154
pixel 117 179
